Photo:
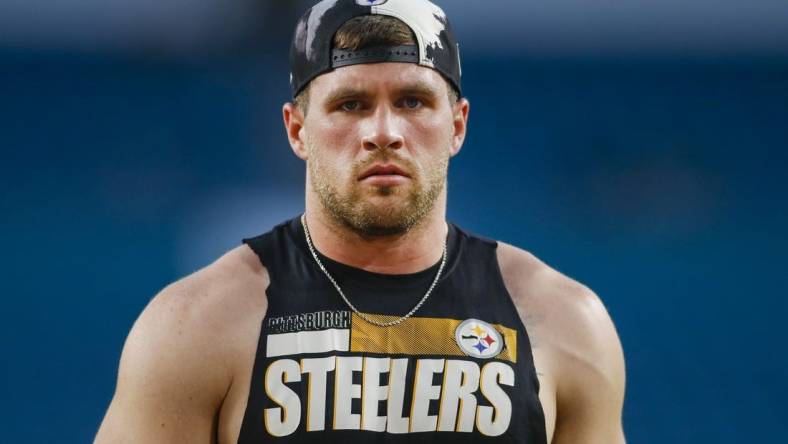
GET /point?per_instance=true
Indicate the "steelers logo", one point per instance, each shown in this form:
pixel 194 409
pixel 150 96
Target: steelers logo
pixel 478 339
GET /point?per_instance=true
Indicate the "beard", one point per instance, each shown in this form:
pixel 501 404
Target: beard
pixel 377 211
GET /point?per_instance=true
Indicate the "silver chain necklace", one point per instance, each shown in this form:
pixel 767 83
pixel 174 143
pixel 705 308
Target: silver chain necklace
pixel 347 301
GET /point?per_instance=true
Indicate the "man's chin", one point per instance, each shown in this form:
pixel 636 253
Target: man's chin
pixel 383 220
pixel 372 230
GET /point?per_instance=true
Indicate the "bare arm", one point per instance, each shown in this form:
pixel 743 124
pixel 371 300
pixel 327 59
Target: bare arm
pixel 579 354
pixel 591 381
pixel 172 377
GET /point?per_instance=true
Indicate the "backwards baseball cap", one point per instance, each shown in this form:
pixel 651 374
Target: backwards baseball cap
pixel 311 52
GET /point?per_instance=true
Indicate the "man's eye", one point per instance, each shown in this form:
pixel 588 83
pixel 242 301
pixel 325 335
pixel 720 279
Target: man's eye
pixel 350 105
pixel 412 102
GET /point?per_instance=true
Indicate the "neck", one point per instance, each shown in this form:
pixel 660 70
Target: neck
pixel 410 252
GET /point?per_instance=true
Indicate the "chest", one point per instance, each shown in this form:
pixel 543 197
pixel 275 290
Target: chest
pixel 231 415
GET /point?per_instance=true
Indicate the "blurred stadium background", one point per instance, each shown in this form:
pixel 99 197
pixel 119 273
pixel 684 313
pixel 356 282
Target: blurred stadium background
pixel 637 147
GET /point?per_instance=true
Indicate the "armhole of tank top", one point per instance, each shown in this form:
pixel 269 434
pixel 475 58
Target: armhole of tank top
pixel 510 303
pixel 531 363
pixel 256 245
pixel 244 434
pixel 264 292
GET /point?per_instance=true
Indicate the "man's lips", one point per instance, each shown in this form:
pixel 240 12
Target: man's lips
pixel 383 170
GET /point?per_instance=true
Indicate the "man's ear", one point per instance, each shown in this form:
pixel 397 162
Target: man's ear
pixel 460 119
pixel 294 125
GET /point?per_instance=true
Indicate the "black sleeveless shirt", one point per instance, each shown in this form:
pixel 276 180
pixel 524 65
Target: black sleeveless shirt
pixel 460 370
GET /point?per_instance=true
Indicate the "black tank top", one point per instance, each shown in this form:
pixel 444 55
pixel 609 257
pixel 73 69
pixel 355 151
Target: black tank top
pixel 460 370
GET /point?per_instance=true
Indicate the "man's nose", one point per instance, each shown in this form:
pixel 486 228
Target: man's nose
pixel 383 130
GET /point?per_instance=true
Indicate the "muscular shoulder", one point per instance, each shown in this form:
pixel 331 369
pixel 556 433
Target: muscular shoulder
pixel 213 302
pixel 215 294
pixel 183 351
pixel 566 320
pixel 200 324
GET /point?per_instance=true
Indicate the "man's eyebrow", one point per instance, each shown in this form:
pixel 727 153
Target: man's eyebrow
pixel 418 89
pixel 344 93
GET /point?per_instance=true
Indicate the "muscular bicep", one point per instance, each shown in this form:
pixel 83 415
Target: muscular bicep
pixel 590 392
pixel 170 381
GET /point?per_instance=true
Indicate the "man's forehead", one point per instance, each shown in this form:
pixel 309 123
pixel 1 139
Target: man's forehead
pixel 378 77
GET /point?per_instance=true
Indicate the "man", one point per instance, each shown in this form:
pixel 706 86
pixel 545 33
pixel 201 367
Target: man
pixel 370 318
